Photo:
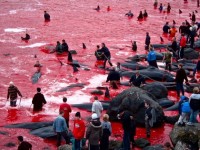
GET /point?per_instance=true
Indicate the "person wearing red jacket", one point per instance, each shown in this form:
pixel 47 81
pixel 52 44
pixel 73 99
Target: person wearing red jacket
pixel 66 108
pixel 183 43
pixel 79 131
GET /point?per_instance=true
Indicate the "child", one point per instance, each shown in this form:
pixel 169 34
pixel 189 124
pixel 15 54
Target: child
pixel 185 111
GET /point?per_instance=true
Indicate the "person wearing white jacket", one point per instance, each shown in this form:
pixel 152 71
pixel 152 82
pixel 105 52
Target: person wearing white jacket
pixel 97 107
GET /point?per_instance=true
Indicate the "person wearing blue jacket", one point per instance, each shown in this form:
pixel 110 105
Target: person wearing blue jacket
pixel 151 57
pixel 60 127
pixel 185 111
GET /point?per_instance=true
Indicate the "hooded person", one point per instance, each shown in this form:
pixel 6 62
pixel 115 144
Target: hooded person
pixel 184 110
pixel 94 132
pixel 12 94
pixel 182 100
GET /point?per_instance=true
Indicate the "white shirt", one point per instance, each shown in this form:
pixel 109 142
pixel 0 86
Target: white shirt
pixel 97 108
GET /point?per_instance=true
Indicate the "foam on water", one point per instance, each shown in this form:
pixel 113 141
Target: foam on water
pixel 79 97
pixel 33 45
pixel 96 81
pixel 12 12
pixel 15 30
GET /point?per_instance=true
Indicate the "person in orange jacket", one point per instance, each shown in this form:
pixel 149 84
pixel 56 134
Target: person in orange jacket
pixel 79 131
pixel 172 32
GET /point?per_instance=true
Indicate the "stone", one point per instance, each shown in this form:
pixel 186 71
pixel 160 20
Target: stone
pixel 65 147
pixel 186 134
pixel 181 146
pixel 141 143
pixel 154 147
pixel 114 145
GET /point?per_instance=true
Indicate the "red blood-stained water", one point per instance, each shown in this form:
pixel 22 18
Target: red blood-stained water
pixel 77 23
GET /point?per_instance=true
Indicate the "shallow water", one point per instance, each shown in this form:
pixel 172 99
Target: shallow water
pixel 77 23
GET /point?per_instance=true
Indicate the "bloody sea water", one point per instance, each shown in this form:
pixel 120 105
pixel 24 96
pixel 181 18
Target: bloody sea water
pixel 77 23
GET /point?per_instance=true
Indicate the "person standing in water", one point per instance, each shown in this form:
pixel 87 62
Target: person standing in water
pixel 38 100
pixel 12 94
pixel 107 55
pixel 147 41
pixel 46 16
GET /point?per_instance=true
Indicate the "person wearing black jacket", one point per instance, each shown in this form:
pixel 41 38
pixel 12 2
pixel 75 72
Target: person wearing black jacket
pixel 38 100
pixel 174 46
pixel 27 37
pixel 147 41
pixel 128 127
pixel 46 16
pixel 180 77
pixel 166 28
pixel 192 36
pixel 193 17
pixel 113 77
pixel 65 47
pixel 136 80
pixel 107 54
pixel 23 145
pixel 99 53
pixel 183 28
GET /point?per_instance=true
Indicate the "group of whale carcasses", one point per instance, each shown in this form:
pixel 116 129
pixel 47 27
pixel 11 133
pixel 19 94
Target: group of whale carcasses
pixel 132 64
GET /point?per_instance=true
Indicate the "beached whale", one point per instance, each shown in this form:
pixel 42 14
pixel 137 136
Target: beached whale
pixel 80 85
pixel 132 99
pixel 152 73
pixel 133 66
pixel 173 107
pixel 159 56
pixel 88 106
